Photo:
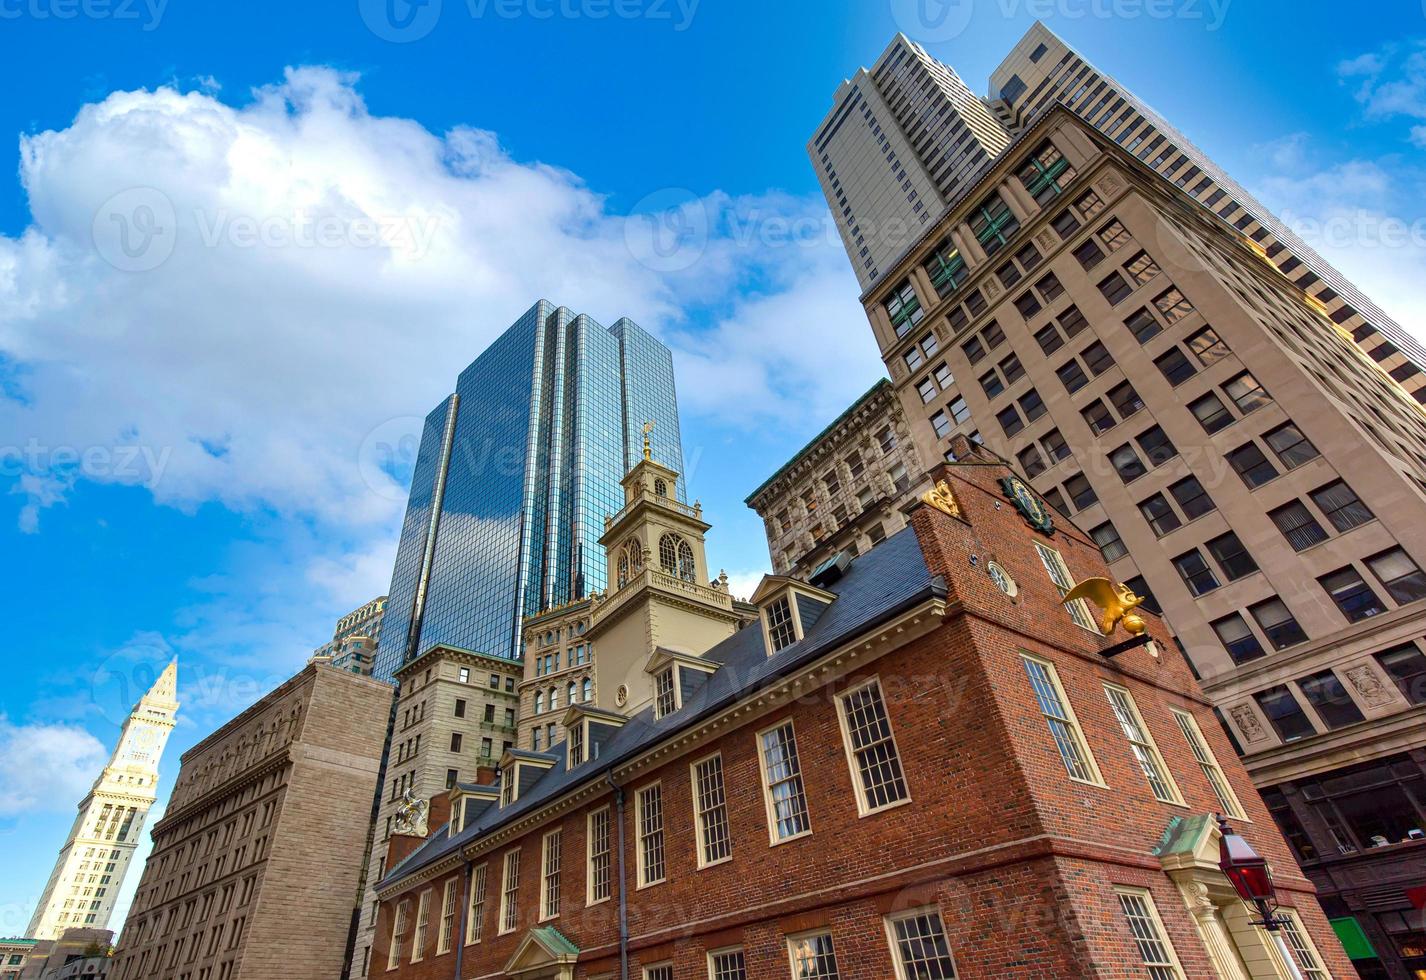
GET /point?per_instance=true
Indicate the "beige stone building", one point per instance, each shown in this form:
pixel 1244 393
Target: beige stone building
pixel 559 671
pixel 254 871
pixel 842 491
pixel 1236 456
pixel 455 713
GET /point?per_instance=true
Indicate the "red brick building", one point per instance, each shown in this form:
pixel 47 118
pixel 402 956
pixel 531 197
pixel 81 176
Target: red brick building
pixel 920 766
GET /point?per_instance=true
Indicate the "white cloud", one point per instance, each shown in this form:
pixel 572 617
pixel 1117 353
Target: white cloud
pixel 1390 82
pixel 49 768
pixel 742 582
pixel 222 303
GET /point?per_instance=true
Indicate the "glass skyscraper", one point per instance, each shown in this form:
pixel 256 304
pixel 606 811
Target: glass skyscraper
pixel 515 474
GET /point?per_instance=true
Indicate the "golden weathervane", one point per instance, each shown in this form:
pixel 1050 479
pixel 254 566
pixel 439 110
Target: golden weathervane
pixel 1116 602
pixel 648 450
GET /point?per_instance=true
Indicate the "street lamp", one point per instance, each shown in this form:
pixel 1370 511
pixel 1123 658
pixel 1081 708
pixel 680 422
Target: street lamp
pixel 1252 879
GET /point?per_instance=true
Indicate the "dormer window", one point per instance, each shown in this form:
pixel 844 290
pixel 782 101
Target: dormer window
pixel 781 631
pixel 665 692
pixel 507 785
pixel 576 743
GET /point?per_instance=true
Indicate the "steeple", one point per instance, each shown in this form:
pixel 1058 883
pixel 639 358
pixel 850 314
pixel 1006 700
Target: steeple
pixel 90 870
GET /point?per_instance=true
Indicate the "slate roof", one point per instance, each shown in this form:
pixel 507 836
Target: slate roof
pixel 881 584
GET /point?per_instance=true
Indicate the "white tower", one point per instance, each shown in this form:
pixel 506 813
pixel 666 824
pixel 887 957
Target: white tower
pixel 92 864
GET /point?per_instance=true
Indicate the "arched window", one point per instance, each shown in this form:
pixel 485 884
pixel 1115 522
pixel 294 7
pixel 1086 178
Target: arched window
pixel 623 569
pixel 631 561
pixel 685 561
pixel 660 488
pixel 668 553
pixel 573 693
pixel 588 688
pixel 554 698
pixel 539 702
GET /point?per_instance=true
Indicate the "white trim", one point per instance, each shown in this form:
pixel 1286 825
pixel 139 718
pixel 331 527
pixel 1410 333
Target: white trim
pixel 1176 796
pixel 1163 934
pixel 724 951
pixel 589 898
pixel 479 876
pixel 864 809
pixel 505 891
pixel 423 924
pixel 889 924
pixel 773 839
pixel 1181 715
pixel 1078 730
pixel 809 934
pixel 445 930
pixel 642 872
pixel 660 965
pixel 545 914
pixel 699 830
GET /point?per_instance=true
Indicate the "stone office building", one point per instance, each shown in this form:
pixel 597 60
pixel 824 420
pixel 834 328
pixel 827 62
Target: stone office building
pixel 842 491
pixel 255 865
pixel 1233 453
pixel 918 764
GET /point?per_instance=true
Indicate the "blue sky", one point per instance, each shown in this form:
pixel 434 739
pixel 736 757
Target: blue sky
pixel 194 451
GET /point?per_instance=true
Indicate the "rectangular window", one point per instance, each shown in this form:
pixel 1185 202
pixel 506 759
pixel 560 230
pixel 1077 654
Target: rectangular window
pixel 1290 445
pixel 398 935
pixel 1055 446
pixel 1010 421
pixel 665 695
pixel 1325 692
pixel 1045 173
pixel 1286 715
pixel 1208 762
pixel 1127 464
pixel 1175 366
pixel 1065 223
pixel 1191 497
pixel 1089 254
pixel 510 893
pixel 1115 289
pixel 1207 346
pixel 448 918
pixel 1341 506
pixel 1072 321
pixel 947 269
pixel 1211 413
pixel 1240 641
pixel 1050 339
pixel 550 876
pixel 1031 462
pixel 904 308
pixel 1097 358
pixel 423 920
pixel 660 971
pixel 1302 950
pixel 1196 574
pixel 1150 939
pixel 1115 235
pixel 1154 441
pixel 813 957
pixel 941 424
pixel 1072 376
pixel 1098 417
pixel 993 224
pixel 1246 393
pixel 1059 716
pixel 651 852
pixel 1125 399
pixel 1144 326
pixel 1060 575
pixel 1400 575
pixel 871 749
pixel 1141 268
pixel 781 631
pixel 1251 465
pixel 1161 516
pixel 991 384
pixel 782 783
pixel 475 920
pixel 1353 596
pixel 1173 305
pixel 1277 623
pixel 710 807
pixel 599 879
pixel 1081 491
pixel 1111 546
pixel 1407 668
pixel 1141 743
pixel 727 964
pixel 1298 525
pixel 1032 405
pixel 1231 556
pixel 919 947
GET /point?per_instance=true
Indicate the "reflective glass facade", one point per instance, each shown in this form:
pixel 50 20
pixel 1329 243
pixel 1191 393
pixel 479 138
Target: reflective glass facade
pixel 514 477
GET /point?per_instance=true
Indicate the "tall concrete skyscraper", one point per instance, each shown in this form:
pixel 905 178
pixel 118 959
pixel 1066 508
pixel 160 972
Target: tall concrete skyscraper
pixel 95 857
pixel 1163 375
pixel 514 476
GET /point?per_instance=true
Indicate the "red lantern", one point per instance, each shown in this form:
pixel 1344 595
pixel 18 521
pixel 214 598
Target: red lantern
pixel 1247 870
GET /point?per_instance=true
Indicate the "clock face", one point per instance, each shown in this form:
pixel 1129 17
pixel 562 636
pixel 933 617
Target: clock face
pixel 1029 505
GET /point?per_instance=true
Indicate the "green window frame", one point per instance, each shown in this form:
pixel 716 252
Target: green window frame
pixel 903 306
pixel 1045 173
pixel 947 269
pixel 994 224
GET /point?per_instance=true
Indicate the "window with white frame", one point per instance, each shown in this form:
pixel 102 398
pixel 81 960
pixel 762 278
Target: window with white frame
pixel 599 854
pixel 1208 762
pixel 919 947
pixel 1059 572
pixel 1155 951
pixel 782 783
pixel 650 853
pixel 1302 949
pixel 398 934
pixel 448 918
pixel 781 630
pixel 423 918
pixel 727 964
pixel 1060 718
pixel 475 917
pixel 576 743
pixel 659 971
pixel 871 748
pixel 507 785
pixel 550 876
pixel 665 693
pixel 710 809
pixel 510 893
pixel 813 957
pixel 1141 743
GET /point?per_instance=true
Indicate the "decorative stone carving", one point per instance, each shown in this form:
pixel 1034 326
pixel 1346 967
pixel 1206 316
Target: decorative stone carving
pixel 410 818
pixel 1369 685
pixel 1247 723
pixel 1045 240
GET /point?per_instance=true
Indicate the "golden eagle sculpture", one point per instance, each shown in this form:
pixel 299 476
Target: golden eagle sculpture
pixel 1116 602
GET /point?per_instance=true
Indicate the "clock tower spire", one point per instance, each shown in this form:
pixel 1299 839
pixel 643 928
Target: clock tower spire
pixel 92 864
